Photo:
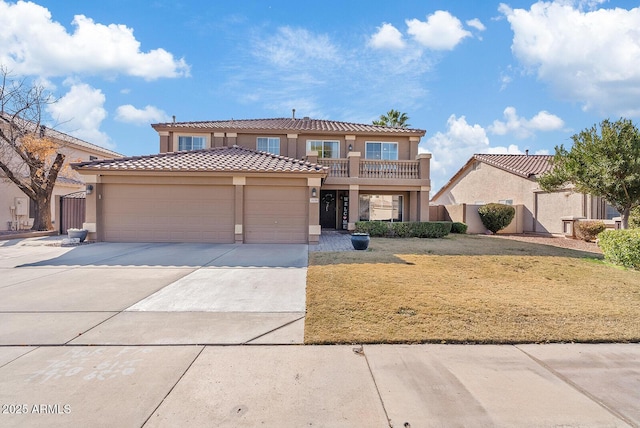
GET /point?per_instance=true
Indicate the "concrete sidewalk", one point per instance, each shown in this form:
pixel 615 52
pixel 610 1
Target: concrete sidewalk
pixel 322 386
pixel 131 335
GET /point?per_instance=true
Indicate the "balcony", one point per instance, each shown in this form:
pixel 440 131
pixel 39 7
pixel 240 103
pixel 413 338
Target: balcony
pixel 354 168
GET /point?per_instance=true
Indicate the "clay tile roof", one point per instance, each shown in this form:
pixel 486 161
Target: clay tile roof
pixel 522 165
pixel 288 124
pixel 219 159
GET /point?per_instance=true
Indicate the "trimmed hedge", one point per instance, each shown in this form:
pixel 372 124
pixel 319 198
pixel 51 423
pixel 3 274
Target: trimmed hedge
pixel 621 247
pixel 411 229
pixel 457 227
pixel 496 217
pixel 589 230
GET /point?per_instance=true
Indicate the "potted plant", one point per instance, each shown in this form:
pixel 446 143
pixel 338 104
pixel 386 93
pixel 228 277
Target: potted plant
pixel 360 241
pixel 80 234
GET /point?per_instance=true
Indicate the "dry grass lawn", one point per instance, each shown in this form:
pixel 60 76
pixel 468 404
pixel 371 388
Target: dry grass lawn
pixel 469 289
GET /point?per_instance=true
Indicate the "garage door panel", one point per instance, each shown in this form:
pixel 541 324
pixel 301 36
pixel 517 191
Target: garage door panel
pixel 276 215
pixel 168 213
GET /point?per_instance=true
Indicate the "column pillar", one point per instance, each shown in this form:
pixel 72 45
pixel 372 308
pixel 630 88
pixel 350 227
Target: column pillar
pixel 423 208
pixel 292 146
pixel 314 210
pixel 239 183
pixel 165 143
pixel 354 206
pixel 354 164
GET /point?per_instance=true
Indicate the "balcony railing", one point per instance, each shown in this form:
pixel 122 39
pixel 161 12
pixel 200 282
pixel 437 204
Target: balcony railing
pixel 389 169
pixel 337 167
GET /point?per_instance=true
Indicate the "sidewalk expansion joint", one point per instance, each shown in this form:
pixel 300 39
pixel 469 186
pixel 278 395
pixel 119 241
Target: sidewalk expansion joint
pixel 248 342
pixel 360 352
pixel 578 388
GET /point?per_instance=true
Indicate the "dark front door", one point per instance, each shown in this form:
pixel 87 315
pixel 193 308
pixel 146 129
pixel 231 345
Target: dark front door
pixel 328 209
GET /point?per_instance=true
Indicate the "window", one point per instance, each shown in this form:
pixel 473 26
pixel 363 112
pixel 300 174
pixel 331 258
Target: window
pixel 191 143
pixel 325 149
pixel 382 151
pixel 269 144
pixel 381 207
pixel 506 201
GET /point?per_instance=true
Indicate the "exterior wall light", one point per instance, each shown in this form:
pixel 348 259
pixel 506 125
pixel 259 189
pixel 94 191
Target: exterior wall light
pixel 350 147
pixel 89 189
pixel 314 193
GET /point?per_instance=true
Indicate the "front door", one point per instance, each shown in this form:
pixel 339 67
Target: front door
pixel 328 209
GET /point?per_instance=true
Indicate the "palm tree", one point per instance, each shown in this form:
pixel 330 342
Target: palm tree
pixel 394 119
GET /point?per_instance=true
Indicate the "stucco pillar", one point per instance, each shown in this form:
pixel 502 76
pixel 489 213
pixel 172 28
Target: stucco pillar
pixel 312 157
pixel 314 210
pixel 91 221
pixel 217 139
pixel 165 142
pixel 414 143
pixel 350 140
pixel 423 204
pixel 232 138
pixel 354 206
pixel 239 183
pixel 425 166
pixel 354 165
pixel 292 146
pixel 413 206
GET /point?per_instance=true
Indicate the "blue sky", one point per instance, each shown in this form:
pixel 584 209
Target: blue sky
pixel 478 76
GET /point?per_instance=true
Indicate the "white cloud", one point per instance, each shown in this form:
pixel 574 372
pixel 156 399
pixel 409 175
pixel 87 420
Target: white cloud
pixel 80 113
pixel 31 43
pixel 454 147
pixel 477 24
pixel 441 31
pixel 291 46
pixel 150 114
pixel 585 54
pixel 387 37
pixel 525 128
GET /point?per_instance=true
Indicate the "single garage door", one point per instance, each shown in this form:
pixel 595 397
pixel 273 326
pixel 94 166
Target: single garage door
pixel 168 213
pixel 276 215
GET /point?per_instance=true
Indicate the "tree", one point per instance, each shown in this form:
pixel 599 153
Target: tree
pixel 604 163
pixel 30 159
pixel 394 119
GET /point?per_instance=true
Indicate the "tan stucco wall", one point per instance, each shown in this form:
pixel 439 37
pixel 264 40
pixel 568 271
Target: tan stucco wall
pixel 482 183
pixel 551 207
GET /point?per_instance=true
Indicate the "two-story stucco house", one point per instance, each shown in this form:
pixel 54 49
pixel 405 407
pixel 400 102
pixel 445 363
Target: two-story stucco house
pixel 260 181
pixel 16 208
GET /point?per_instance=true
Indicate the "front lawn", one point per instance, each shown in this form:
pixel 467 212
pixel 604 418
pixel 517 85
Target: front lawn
pixel 468 289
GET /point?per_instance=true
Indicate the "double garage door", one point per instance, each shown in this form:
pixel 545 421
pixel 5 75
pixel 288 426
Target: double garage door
pixel 199 213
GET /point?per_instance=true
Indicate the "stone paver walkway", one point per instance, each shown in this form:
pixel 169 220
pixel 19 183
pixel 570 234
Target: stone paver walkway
pixel 332 240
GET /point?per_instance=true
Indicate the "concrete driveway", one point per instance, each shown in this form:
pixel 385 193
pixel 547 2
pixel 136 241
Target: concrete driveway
pixel 133 329
pixel 120 294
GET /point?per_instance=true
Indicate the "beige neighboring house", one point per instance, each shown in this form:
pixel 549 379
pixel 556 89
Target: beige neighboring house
pixel 17 209
pixel 277 180
pixel 513 180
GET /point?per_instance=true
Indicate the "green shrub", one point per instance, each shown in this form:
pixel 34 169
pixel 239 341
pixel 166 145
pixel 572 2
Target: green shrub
pixel 496 217
pixel 634 218
pixel 588 230
pixel 431 229
pixel 457 227
pixel 427 229
pixel 373 228
pixel 621 247
pixel 401 230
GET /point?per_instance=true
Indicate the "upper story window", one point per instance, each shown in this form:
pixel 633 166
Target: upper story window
pixel 325 149
pixel 269 144
pixel 191 143
pixel 382 151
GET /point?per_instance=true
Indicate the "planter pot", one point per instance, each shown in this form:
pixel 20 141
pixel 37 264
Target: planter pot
pixel 360 241
pixel 81 234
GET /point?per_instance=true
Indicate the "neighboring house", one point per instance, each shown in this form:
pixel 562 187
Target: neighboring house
pixel 259 181
pixel 16 208
pixel 512 179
